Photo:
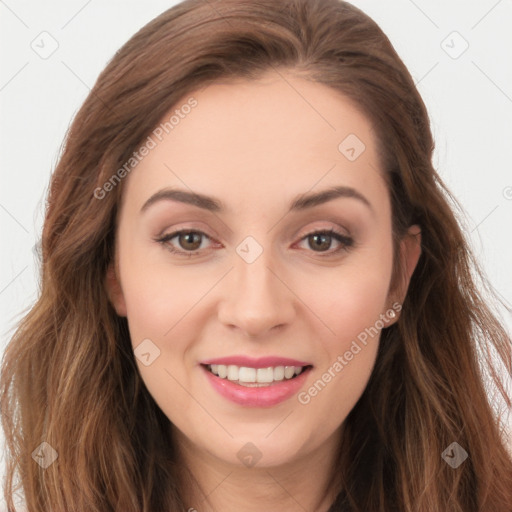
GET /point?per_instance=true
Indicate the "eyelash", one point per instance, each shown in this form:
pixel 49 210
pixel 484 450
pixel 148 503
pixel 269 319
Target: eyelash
pixel 346 242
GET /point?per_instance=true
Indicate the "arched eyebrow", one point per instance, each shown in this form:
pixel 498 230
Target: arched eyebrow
pixel 212 204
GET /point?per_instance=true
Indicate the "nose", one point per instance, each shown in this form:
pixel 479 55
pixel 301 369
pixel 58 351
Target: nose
pixel 256 297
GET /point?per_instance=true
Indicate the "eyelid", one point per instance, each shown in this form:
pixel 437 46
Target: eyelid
pixel 330 226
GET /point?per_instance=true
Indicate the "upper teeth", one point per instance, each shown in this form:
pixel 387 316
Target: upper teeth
pixel 257 375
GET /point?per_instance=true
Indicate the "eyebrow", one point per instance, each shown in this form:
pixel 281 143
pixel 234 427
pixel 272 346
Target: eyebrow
pixel 212 204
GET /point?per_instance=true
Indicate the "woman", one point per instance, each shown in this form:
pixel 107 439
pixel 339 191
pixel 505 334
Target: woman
pixel 255 294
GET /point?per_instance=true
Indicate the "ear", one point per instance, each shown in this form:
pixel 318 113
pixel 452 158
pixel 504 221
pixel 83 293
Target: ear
pixel 410 252
pixel 114 290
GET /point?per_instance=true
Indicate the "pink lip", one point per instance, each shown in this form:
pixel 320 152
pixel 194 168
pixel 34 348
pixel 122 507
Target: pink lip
pixel 261 362
pixel 266 396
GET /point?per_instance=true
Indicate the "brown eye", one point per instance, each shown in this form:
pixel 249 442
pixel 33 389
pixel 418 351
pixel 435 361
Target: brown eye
pixel 188 243
pixel 321 241
pixel 190 240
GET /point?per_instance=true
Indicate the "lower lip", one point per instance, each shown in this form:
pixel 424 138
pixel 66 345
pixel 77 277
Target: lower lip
pixel 265 396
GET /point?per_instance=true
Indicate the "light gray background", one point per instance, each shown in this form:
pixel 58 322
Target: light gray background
pixel 469 99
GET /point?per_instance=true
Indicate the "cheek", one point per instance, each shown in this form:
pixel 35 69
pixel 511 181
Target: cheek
pixel 350 304
pixel 351 297
pixel 353 313
pixel 157 295
pixel 161 305
pixel 330 397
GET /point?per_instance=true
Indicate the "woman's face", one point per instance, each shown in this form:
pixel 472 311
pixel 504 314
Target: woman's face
pixel 255 284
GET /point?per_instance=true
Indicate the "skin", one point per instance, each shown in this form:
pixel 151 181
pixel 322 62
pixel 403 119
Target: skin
pixel 256 146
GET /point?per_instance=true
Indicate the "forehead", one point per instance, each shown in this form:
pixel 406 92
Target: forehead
pixel 275 136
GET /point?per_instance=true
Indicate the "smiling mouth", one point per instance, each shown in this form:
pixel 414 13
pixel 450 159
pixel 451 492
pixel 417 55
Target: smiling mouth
pixel 256 377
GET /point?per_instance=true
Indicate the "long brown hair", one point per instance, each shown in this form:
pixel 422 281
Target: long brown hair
pixel 69 377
